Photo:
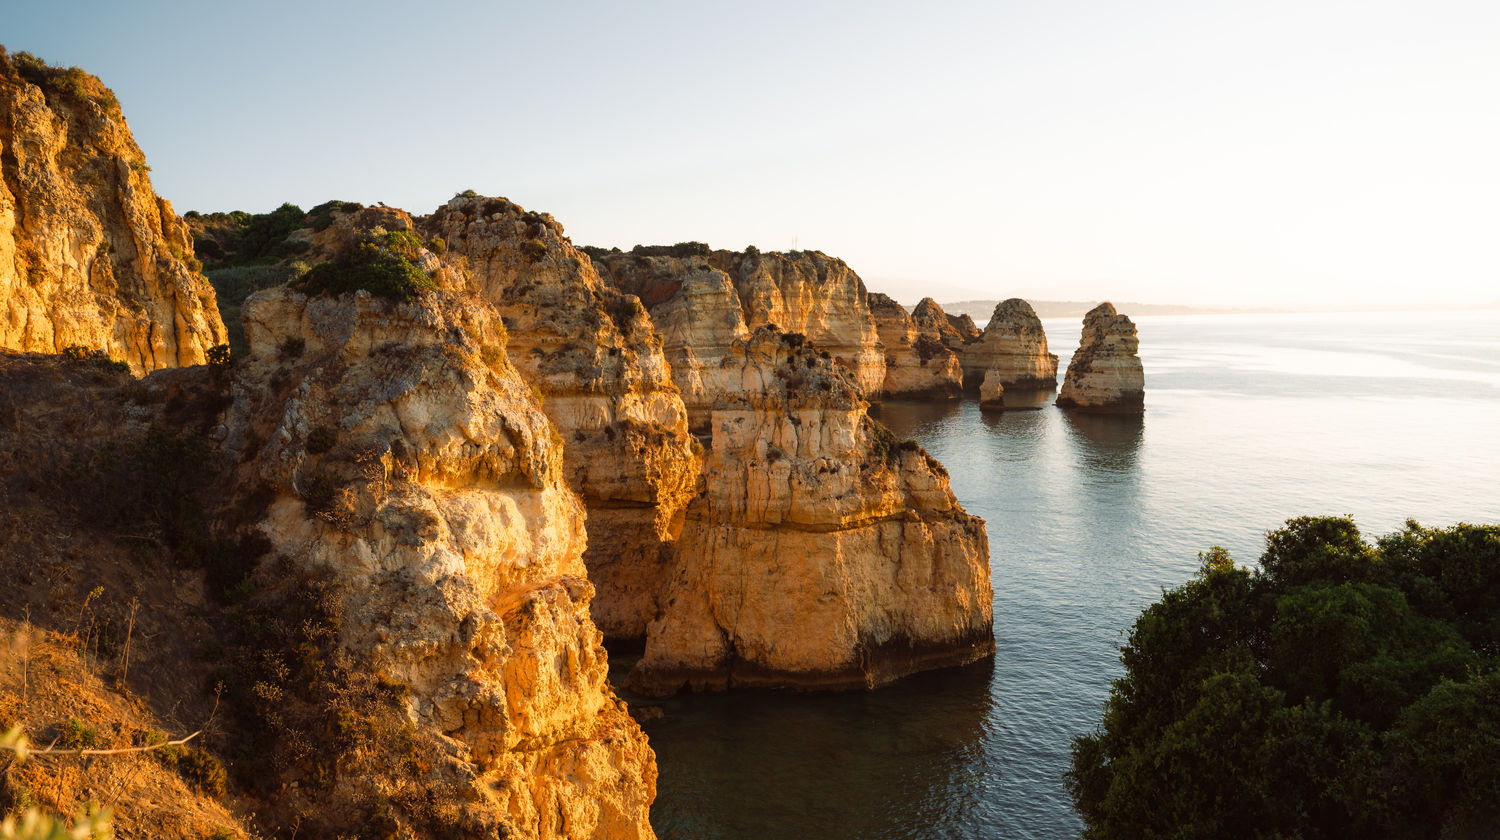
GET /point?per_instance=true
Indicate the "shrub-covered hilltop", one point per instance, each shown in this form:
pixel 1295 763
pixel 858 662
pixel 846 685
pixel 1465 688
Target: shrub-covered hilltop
pixel 1342 690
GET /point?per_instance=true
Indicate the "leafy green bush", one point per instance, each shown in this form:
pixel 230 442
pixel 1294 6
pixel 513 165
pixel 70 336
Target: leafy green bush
pixel 95 358
pixel 1343 689
pixel 371 265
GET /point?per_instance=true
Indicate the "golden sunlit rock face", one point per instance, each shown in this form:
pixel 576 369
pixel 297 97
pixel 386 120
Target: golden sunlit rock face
pixel 702 303
pixel 821 552
pixel 407 458
pixel 1105 375
pixel 1012 350
pixel 598 364
pixel 89 256
pixel 917 363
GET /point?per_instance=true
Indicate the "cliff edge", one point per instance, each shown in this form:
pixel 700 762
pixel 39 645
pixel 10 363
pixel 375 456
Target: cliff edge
pixel 89 255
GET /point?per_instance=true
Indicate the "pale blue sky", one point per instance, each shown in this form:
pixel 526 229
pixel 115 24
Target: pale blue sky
pixel 1302 153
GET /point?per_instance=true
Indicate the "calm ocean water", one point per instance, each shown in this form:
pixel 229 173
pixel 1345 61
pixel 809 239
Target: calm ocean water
pixel 1250 419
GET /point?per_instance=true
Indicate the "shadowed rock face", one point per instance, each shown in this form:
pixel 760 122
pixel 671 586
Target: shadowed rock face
pixel 1012 350
pixel 703 303
pixel 820 553
pixel 597 360
pixel 406 456
pixel 917 365
pixel 1105 375
pixel 89 256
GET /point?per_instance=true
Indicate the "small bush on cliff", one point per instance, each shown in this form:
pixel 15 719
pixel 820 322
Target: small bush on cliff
pixel 680 250
pixel 71 84
pixel 1341 690
pixel 374 265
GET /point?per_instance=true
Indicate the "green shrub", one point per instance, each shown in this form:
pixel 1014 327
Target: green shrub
pixel 78 735
pixel 97 359
pixel 533 249
pixel 368 266
pixel 1341 690
pixel 320 440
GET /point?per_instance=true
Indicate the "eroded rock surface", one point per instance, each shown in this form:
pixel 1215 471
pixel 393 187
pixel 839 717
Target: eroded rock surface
pixel 89 255
pixel 1012 350
pixel 917 364
pixel 406 457
pixel 597 362
pixel 821 553
pixel 1105 375
pixel 699 313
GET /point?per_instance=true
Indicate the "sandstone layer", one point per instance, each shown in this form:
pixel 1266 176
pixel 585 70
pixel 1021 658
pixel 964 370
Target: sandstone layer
pixel 703 302
pixel 1012 350
pixel 917 364
pixel 598 364
pixel 820 553
pixel 89 255
pixel 1105 375
pixel 406 457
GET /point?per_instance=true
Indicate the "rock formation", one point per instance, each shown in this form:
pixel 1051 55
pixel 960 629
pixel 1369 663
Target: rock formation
pixel 820 553
pixel 954 333
pixel 1012 350
pixel 598 363
pixel 917 365
pixel 89 256
pixel 1105 374
pixel 407 458
pixel 698 312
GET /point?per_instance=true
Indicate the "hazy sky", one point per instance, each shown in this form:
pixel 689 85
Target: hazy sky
pixel 1193 152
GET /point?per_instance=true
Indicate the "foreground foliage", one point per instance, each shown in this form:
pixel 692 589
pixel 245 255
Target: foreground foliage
pixel 1341 690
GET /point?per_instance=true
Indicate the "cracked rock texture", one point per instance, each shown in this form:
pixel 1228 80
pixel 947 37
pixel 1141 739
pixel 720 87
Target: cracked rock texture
pixel 89 255
pixel 1105 375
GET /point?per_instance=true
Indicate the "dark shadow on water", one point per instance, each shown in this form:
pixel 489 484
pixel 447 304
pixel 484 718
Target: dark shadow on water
pixel 907 760
pixel 1107 442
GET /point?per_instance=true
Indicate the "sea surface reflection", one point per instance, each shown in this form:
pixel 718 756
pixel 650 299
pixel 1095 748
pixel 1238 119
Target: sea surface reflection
pixel 1249 420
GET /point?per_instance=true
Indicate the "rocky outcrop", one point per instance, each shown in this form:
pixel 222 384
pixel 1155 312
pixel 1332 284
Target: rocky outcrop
pixel 89 255
pixel 1012 350
pixel 931 321
pixel 917 365
pixel 703 299
pixel 820 553
pixel 597 362
pixel 406 458
pixel 1105 374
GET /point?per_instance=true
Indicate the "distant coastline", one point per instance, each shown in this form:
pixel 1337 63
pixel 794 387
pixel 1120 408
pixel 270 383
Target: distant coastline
pixel 980 310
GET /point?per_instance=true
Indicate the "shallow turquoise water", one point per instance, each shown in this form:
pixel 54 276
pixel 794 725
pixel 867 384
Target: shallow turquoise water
pixel 1250 420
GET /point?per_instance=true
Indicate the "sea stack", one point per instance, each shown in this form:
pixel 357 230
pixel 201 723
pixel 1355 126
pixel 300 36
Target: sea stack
pixel 821 553
pixel 1105 374
pixel 89 256
pixel 1012 351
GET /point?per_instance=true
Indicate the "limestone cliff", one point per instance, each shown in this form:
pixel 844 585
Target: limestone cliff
pixel 1105 375
pixel 703 301
pixel 917 365
pixel 1012 350
pixel 406 458
pixel 89 255
pixel 598 363
pixel 820 553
